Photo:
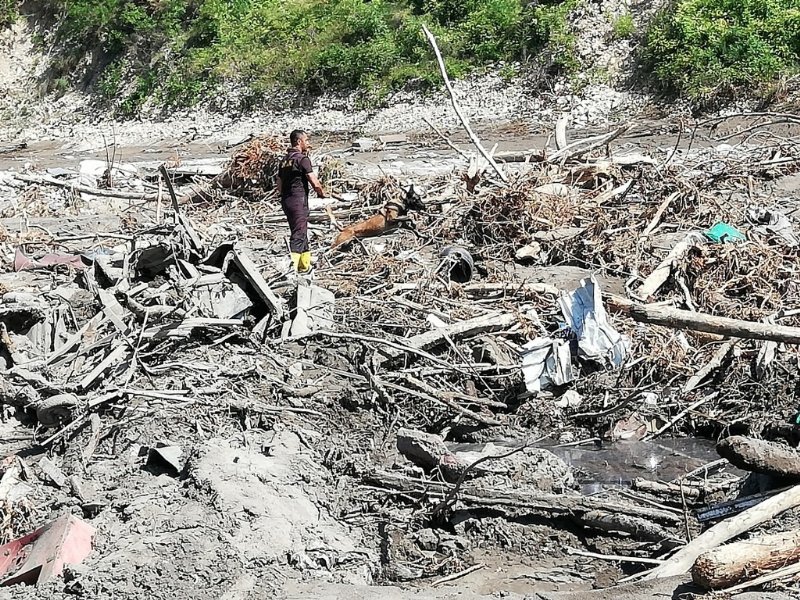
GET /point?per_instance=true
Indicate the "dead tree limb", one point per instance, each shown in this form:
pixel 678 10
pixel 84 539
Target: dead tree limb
pixel 683 560
pixel 583 147
pixel 431 339
pixel 662 272
pixel 84 189
pixel 457 108
pixel 637 527
pixel 714 363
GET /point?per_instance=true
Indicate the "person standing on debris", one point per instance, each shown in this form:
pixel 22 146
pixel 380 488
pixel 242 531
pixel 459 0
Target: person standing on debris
pixel 294 177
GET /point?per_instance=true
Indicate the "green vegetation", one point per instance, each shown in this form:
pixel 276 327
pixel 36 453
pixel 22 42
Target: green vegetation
pixel 178 52
pixel 623 27
pixel 710 49
pixel 181 50
pixel 8 13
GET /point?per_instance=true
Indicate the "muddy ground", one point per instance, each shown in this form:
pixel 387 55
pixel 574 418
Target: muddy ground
pixel 271 500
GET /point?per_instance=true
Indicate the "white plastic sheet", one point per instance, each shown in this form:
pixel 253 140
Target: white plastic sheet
pixel 585 314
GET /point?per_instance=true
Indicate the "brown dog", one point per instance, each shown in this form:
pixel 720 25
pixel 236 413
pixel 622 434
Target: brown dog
pixel 389 217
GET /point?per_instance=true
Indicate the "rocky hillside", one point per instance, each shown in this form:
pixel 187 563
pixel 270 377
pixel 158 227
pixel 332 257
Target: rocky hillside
pixel 119 58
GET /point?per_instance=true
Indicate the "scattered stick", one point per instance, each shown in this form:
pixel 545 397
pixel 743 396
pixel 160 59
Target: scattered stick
pixel 680 415
pixel 662 272
pixel 583 147
pixel 446 139
pixel 613 557
pixel 558 504
pixel 657 217
pixel 84 189
pixel 431 339
pixel 714 363
pixel 444 402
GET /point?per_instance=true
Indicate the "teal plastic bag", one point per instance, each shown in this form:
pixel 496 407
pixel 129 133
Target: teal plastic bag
pixel 722 233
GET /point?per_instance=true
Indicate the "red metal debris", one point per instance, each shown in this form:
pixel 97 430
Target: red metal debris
pixel 41 556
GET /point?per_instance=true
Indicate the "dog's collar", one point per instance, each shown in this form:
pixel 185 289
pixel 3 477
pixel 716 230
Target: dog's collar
pixel 392 204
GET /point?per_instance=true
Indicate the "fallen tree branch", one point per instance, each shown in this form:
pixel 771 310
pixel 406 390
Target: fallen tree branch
pixel 714 363
pixel 613 557
pixel 657 217
pixel 637 527
pixel 680 415
pixel 582 147
pixel 458 575
pixel 431 339
pixel 683 560
pixel 446 139
pixel 457 108
pixel 559 504
pixel 662 272
pixel 445 402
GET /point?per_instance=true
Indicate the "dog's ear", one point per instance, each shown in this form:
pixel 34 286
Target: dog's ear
pixel 414 199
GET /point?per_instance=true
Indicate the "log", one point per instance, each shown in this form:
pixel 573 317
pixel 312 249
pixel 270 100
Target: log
pixel 683 560
pixel 760 456
pixel 686 319
pixel 84 189
pixel 688 491
pixel 742 561
pixel 554 504
pixel 457 108
pixel 640 529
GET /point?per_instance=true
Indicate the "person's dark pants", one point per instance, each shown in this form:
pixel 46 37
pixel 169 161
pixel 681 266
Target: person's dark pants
pixel 296 211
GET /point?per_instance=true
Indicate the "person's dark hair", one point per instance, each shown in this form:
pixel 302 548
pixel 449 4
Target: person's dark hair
pixel 295 136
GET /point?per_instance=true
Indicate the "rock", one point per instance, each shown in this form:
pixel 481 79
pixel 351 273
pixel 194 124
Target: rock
pixel 529 253
pixel 570 399
pixel 393 139
pixel 429 452
pixel 365 144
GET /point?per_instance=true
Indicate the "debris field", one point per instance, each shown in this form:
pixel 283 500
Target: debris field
pixel 182 417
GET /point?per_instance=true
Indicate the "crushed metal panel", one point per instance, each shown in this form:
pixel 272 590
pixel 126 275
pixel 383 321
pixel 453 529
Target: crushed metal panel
pixel 42 555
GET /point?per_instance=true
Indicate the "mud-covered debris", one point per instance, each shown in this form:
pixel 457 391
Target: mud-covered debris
pixel 42 555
